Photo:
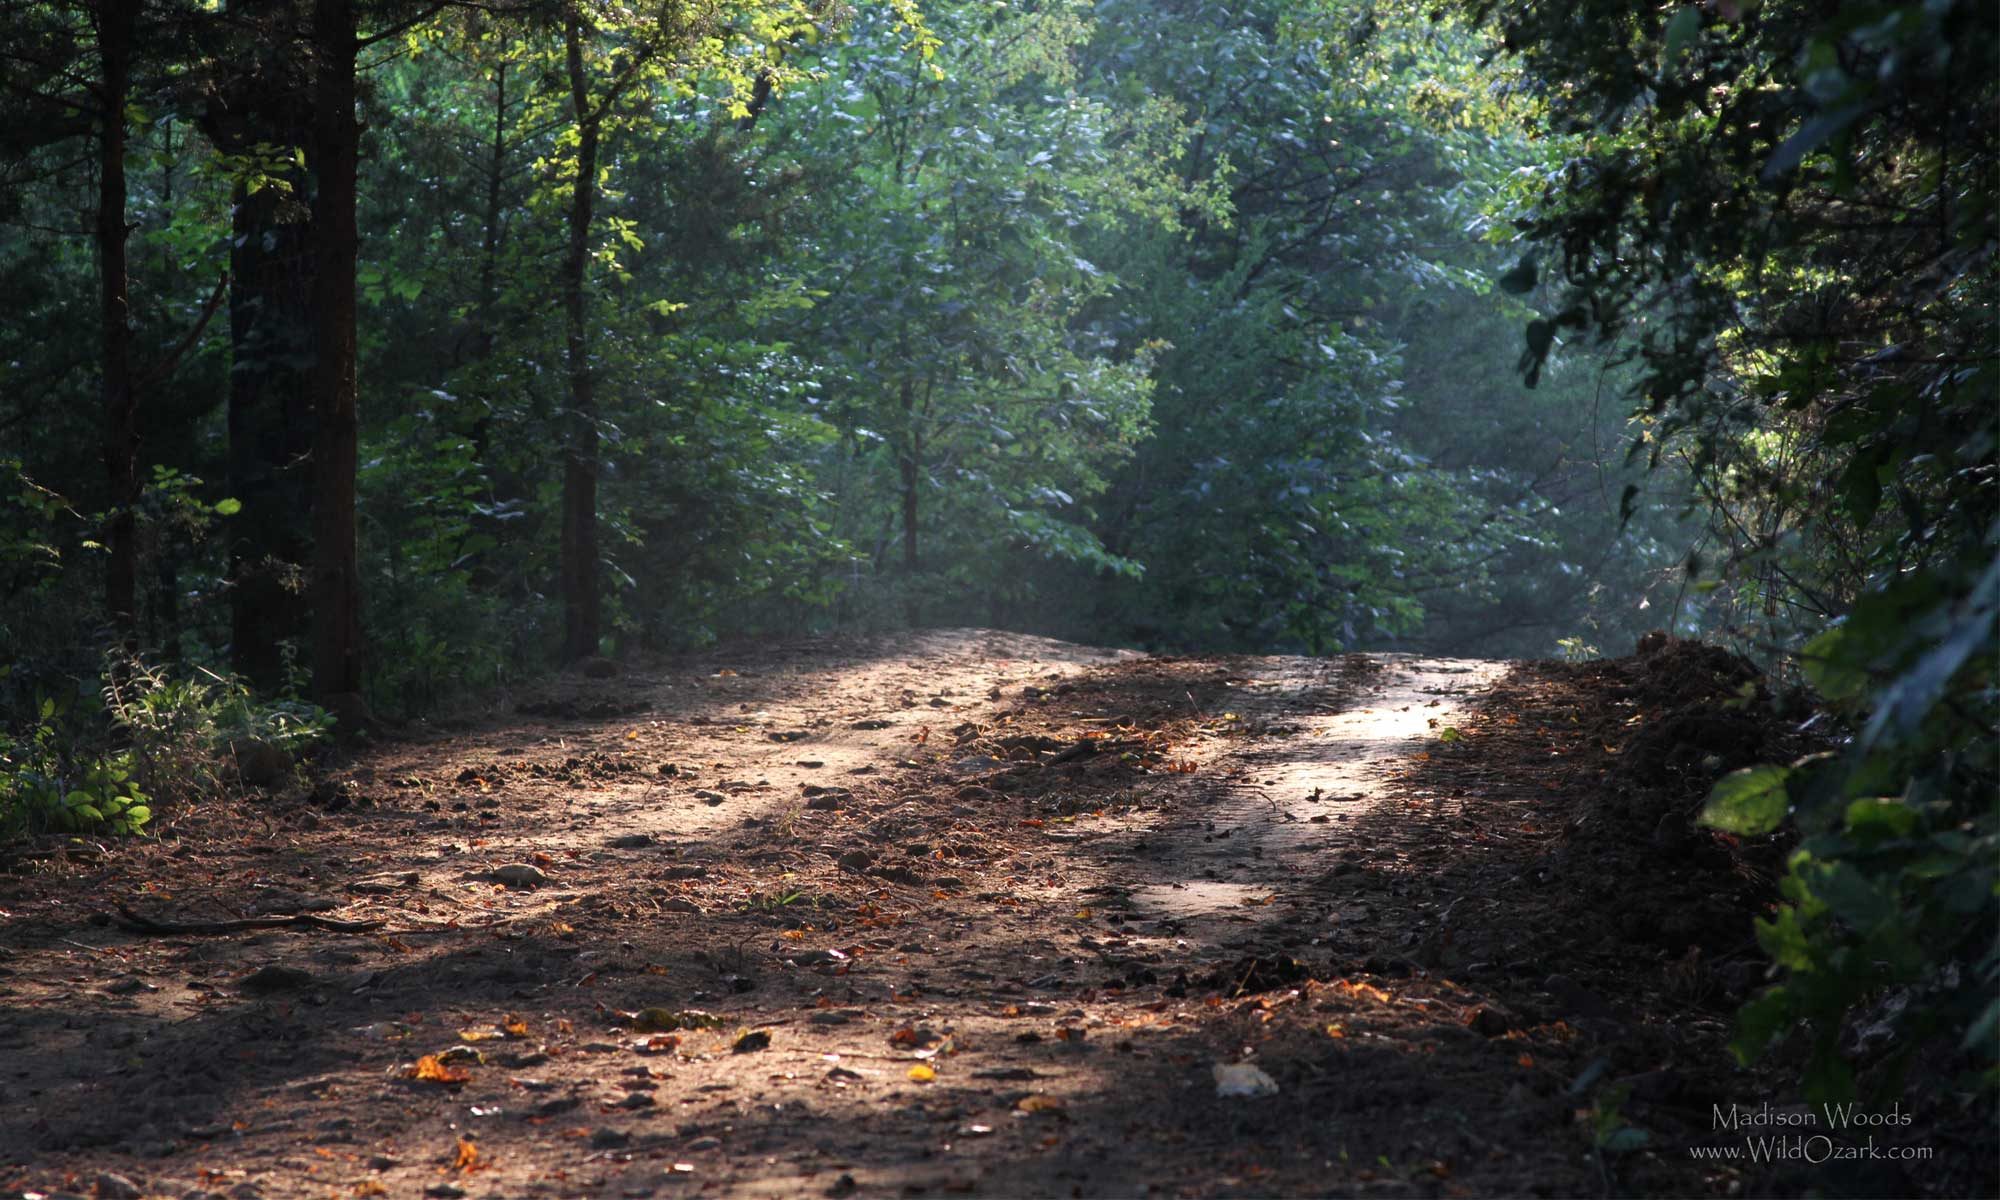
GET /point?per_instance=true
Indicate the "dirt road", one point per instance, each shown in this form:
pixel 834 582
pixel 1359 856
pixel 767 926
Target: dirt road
pixel 956 913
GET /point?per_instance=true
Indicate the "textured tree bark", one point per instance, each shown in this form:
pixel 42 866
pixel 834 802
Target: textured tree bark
pixel 581 605
pixel 267 102
pixel 270 429
pixel 492 231
pixel 910 464
pixel 336 583
pixel 115 23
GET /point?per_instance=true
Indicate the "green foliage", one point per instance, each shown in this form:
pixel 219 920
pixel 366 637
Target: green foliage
pixel 1161 323
pixel 1748 802
pixel 47 787
pixel 978 369
pixel 1890 897
pixel 1784 213
pixel 183 730
pixel 84 761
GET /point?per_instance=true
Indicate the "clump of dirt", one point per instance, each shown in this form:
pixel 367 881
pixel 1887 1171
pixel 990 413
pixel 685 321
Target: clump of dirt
pixel 1630 748
pixel 1675 717
pixel 1698 711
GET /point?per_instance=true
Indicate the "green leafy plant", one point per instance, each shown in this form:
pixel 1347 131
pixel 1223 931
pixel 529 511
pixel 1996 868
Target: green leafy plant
pixel 1890 896
pixel 1576 649
pixel 185 730
pixel 46 787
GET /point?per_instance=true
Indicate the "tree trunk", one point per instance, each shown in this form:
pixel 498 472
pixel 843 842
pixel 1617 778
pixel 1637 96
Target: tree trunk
pixel 336 582
pixel 115 22
pixel 268 103
pixel 581 612
pixel 492 233
pixel 910 464
pixel 270 428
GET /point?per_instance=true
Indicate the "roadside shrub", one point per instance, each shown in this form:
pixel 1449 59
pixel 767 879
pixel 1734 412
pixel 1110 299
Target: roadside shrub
pixel 48 786
pixel 102 762
pixel 187 732
pixel 1888 934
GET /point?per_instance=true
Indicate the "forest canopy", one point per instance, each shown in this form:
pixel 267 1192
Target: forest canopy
pixel 362 354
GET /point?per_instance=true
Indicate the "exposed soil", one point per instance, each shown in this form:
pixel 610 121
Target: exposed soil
pixel 959 913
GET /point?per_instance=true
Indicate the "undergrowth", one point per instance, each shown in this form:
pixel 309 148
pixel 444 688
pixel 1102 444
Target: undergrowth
pixel 103 759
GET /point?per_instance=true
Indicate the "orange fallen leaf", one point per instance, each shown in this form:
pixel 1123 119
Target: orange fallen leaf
pixel 1037 1104
pixel 468 1157
pixel 514 1026
pixel 1364 990
pixel 430 1070
pixel 370 1187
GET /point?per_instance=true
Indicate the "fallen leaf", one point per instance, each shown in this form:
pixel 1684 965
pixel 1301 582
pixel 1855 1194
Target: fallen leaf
pixel 429 1070
pixel 1039 1104
pixel 922 1073
pixel 656 1020
pixel 468 1157
pixel 1366 991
